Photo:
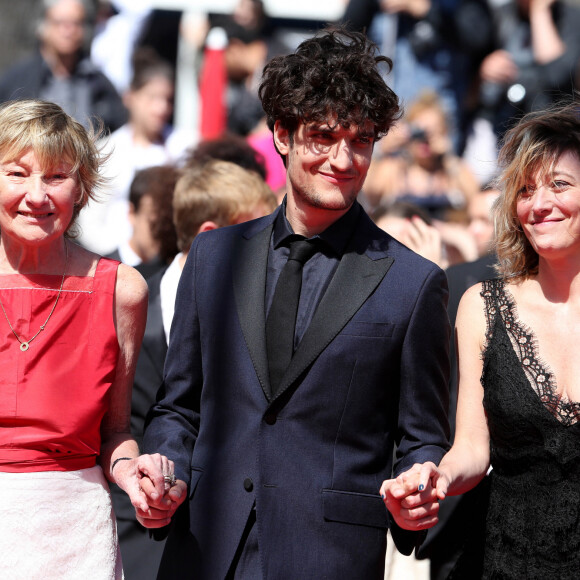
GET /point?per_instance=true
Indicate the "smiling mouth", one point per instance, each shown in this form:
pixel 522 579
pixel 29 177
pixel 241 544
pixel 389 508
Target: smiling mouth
pixel 334 177
pixel 34 215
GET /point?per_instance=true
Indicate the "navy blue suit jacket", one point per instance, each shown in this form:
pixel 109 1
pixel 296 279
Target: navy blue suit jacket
pixel 370 374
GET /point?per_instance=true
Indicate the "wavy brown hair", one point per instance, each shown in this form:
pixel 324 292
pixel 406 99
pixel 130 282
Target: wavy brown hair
pixel 530 150
pixel 336 73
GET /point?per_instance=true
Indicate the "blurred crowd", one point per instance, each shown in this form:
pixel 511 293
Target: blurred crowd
pixel 465 70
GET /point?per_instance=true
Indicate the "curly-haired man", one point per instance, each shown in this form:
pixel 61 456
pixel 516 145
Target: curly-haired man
pixel 308 344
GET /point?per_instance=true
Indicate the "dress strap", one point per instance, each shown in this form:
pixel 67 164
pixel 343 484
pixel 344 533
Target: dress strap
pixel 493 294
pixel 102 311
pixel 106 276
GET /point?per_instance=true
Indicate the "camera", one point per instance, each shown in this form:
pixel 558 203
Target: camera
pixel 418 134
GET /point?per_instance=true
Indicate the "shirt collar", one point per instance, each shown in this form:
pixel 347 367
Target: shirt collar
pixel 335 237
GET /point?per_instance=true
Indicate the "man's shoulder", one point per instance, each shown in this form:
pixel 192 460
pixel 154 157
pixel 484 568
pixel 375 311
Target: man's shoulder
pixel 25 64
pixel 233 233
pixel 86 68
pixel 381 244
pixel 22 78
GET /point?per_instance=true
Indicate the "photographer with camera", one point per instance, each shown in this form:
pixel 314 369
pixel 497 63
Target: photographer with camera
pixel 423 170
pixel 531 63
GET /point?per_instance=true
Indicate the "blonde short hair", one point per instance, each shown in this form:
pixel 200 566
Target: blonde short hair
pixel 530 150
pixel 217 191
pixel 53 135
pixel 427 101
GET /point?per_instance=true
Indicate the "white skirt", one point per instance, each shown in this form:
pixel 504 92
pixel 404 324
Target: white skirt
pixel 58 525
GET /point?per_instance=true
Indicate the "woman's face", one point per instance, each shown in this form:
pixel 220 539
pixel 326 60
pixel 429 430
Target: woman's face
pixel 36 202
pixel 151 106
pixel 548 209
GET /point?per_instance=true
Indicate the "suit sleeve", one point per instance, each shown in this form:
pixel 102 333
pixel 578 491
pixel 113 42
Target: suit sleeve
pixel 423 430
pixel 172 424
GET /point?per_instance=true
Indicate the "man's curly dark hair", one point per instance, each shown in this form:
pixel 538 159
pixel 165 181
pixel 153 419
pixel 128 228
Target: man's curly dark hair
pixel 334 73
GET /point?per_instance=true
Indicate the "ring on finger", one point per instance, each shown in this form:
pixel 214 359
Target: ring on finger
pixel 169 478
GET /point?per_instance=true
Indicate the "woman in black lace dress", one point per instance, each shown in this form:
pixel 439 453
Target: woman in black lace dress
pixel 519 394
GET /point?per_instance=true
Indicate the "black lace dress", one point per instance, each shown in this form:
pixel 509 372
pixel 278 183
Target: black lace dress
pixel 533 520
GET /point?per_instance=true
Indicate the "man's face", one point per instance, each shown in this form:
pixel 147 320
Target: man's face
pixel 142 240
pixel 326 164
pixel 150 107
pixel 64 27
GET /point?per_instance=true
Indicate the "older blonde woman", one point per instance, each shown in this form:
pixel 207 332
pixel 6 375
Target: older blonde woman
pixel 71 325
pixel 519 390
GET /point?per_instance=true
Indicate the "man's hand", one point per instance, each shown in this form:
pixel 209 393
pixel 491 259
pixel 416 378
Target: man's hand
pixel 416 8
pixel 423 239
pixel 412 498
pixel 499 67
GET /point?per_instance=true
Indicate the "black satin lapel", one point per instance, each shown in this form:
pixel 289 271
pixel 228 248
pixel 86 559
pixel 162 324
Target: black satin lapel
pixel 249 275
pixel 355 279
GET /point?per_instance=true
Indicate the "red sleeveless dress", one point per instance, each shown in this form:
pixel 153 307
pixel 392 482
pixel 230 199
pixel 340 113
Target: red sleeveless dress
pixel 54 395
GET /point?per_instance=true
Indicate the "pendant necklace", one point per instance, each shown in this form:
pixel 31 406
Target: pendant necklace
pixel 25 344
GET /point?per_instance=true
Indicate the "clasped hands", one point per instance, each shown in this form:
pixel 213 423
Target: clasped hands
pixel 154 498
pixel 413 497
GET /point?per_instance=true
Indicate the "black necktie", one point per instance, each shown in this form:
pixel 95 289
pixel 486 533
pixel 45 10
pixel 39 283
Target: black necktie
pixel 282 316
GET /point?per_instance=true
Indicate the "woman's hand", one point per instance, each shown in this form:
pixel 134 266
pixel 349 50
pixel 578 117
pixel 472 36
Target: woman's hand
pixel 412 498
pixel 161 510
pixel 142 478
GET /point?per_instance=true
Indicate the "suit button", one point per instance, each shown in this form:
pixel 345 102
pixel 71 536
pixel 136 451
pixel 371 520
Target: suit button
pixel 248 484
pixel 270 418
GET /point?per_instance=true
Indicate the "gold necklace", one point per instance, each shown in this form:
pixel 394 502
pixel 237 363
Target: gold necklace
pixel 24 345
